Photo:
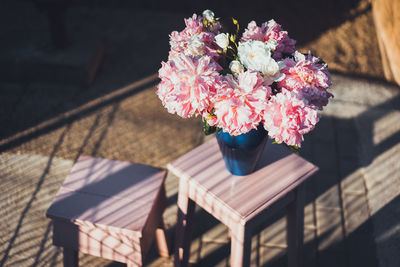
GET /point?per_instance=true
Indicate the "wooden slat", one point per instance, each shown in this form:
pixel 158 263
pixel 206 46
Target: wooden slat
pixel 115 194
pixel 241 196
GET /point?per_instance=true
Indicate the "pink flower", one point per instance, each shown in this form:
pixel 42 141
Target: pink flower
pixel 187 84
pixel 287 118
pixel 195 23
pixel 315 96
pixel 239 103
pixel 194 40
pixel 268 32
pixel 253 32
pixel 308 76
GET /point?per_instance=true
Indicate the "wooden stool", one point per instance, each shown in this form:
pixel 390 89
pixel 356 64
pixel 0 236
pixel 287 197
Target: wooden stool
pixel 242 203
pixel 110 209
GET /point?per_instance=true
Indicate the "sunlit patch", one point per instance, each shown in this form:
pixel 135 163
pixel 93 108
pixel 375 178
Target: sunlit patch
pixel 386 126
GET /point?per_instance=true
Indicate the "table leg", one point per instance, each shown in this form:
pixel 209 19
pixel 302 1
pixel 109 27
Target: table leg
pixel 295 229
pixel 183 226
pixel 240 247
pixel 70 257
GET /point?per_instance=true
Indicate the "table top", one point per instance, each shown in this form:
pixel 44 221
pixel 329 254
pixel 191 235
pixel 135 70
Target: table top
pixel 109 193
pixel 278 172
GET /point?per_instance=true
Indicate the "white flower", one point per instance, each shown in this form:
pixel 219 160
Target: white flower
pixel 236 67
pixel 271 68
pixel 209 15
pixel 277 77
pixel 272 44
pixel 256 55
pixel 222 40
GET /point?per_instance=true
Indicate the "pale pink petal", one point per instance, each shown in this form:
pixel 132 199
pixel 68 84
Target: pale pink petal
pixel 309 77
pixel 287 118
pixel 187 84
pixel 239 102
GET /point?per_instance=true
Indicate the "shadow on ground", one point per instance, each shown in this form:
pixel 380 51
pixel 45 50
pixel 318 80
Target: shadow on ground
pixel 343 226
pixel 132 52
pixel 122 119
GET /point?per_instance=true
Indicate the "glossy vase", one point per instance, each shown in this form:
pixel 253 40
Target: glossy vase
pixel 241 153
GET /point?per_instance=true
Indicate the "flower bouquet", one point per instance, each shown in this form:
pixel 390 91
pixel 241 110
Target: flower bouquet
pixel 240 82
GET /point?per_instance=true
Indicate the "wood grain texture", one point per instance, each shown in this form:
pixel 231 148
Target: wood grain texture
pixel 237 197
pixel 242 203
pixel 110 209
pixel 107 192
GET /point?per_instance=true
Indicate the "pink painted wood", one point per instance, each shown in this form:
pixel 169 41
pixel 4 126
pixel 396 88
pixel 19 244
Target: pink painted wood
pixel 240 202
pixel 110 209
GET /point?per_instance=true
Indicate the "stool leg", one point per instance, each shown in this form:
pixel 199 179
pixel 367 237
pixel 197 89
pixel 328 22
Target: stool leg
pixel 70 257
pixel 162 244
pixel 240 247
pixel 183 226
pixel 295 228
pixel 161 240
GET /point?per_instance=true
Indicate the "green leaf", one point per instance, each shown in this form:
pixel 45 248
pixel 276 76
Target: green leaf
pixel 207 128
pixel 232 37
pixel 234 21
pixel 295 149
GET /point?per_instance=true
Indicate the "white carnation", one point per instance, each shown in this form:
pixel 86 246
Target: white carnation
pixel 208 14
pixel 236 67
pixel 256 55
pixel 222 40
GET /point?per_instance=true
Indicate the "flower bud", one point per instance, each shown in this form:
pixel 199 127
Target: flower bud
pixel 236 67
pixel 209 15
pixel 222 40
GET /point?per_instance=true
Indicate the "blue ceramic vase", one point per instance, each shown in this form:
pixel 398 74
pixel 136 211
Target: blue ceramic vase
pixel 241 153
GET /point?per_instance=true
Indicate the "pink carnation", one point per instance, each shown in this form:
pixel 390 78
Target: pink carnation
pixel 239 103
pixel 287 118
pixel 193 40
pixel 187 84
pixel 194 23
pixel 308 76
pixel 270 31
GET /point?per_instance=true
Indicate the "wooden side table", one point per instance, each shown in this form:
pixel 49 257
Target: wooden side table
pixel 242 203
pixel 110 209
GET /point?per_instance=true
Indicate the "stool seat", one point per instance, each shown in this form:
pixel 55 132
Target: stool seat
pixel 110 209
pixel 240 202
